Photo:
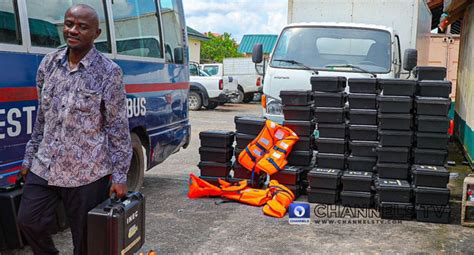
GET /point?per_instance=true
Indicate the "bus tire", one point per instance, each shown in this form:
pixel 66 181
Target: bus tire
pixel 138 164
pixel 194 101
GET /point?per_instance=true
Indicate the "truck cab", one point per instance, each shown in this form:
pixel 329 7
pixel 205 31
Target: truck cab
pixel 351 50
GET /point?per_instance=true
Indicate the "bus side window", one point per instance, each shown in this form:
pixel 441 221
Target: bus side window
pixel 173 35
pixel 46 22
pixel 9 30
pixel 137 29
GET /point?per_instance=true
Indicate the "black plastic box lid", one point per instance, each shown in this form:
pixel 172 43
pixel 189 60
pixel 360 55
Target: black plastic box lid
pixel 431 118
pixel 362 80
pixel 216 150
pixel 215 164
pixel 298 107
pixel 438 209
pixel 430 151
pixel 339 79
pixel 431 190
pixel 325 172
pixel 396 132
pixel 405 99
pixel 250 120
pixel 393 149
pixel 332 125
pixel 430 170
pixel 330 109
pixel 391 184
pixel 245 136
pixel 406 116
pixel 299 123
pixel 363 111
pixel 393 165
pixel 363 143
pixel 331 156
pixel 317 94
pixel 433 100
pixel 331 140
pixel 431 83
pixel 383 82
pixel 354 175
pixel 296 92
pixel 216 134
pixel 363 127
pixel 362 96
pixel 432 135
pixel 295 169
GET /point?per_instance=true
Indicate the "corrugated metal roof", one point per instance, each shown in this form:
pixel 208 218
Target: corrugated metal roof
pixel 196 34
pixel 248 41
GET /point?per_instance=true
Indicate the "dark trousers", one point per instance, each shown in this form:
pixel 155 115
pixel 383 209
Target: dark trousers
pixel 37 213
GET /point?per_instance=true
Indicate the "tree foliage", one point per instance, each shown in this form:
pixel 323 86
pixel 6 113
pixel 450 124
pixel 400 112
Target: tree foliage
pixel 218 48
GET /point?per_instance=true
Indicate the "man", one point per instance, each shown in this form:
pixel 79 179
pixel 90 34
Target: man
pixel 80 136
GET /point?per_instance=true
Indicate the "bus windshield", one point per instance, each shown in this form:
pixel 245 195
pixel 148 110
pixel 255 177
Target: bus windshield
pixel 330 48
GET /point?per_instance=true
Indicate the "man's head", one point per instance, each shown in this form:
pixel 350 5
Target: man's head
pixel 81 27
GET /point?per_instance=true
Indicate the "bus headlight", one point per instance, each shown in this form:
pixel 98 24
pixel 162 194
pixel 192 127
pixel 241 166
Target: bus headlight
pixel 274 106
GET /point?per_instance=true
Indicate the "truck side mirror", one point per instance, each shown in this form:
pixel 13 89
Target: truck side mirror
pixel 178 55
pixel 410 58
pixel 257 53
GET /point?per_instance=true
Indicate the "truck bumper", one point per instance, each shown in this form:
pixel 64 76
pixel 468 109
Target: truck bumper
pixel 222 98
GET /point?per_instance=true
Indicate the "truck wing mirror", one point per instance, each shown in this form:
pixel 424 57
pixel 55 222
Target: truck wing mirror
pixel 410 58
pixel 178 55
pixel 257 53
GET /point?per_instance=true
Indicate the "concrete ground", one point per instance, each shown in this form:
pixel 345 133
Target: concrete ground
pixel 176 224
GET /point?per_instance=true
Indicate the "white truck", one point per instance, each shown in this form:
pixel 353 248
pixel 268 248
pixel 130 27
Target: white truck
pixel 208 91
pixel 243 71
pixel 351 38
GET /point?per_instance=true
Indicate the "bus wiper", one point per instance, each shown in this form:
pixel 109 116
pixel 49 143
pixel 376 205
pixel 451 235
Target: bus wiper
pixel 374 75
pixel 294 62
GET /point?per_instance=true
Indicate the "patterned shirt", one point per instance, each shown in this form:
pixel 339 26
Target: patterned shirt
pixel 81 131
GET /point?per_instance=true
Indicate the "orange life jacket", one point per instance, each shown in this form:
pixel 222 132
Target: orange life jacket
pixel 276 198
pixel 282 197
pixel 268 152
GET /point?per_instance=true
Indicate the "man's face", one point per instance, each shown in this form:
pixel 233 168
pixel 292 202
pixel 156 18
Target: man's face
pixel 81 28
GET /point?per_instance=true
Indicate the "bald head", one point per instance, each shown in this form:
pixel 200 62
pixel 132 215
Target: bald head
pixel 81 27
pixel 84 10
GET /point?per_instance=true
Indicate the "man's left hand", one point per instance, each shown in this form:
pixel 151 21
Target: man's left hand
pixel 119 189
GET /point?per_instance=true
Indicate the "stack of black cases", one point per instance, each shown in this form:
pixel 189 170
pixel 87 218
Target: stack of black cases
pixel 216 153
pixel 432 105
pixel 431 193
pixel 363 130
pixel 394 199
pixel 330 101
pixel 292 177
pixel 247 129
pixel 324 185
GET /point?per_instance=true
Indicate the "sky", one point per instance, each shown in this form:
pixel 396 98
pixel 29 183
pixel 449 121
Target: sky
pixel 237 17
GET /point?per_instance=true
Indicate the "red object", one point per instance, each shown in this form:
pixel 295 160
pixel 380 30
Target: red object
pixel 451 127
pixel 221 84
pixel 259 82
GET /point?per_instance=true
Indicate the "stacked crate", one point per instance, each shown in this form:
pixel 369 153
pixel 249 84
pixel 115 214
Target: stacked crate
pixel 298 112
pixel 431 194
pixel 247 129
pixel 395 107
pixel 324 185
pixel 330 116
pixel 363 139
pixel 216 153
pixel 430 151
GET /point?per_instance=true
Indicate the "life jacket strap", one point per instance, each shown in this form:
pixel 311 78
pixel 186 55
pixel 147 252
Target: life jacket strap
pixel 279 149
pixel 274 164
pixel 254 159
pixel 261 147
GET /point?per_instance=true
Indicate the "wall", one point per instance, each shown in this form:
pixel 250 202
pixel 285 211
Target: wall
pixel 444 51
pixel 464 117
pixel 194 50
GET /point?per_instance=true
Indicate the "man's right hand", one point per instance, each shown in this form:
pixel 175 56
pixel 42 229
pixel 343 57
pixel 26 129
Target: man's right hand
pixel 24 172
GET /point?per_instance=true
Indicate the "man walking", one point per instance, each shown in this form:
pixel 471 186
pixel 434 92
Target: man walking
pixel 80 137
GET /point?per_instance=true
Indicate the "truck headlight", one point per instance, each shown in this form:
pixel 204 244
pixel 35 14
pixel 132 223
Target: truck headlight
pixel 274 106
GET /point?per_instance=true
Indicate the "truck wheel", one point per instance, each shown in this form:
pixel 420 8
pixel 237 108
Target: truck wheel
pixel 212 105
pixel 248 97
pixel 194 101
pixel 239 98
pixel 138 165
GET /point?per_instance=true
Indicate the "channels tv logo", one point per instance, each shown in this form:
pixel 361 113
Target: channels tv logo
pixel 299 213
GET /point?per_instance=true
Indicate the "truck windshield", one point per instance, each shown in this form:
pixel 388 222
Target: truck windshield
pixel 334 48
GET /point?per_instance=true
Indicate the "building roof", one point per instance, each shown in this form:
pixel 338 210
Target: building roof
pixel 248 41
pixel 192 33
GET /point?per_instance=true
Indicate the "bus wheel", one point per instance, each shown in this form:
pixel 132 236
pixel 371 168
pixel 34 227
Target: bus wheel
pixel 138 165
pixel 194 101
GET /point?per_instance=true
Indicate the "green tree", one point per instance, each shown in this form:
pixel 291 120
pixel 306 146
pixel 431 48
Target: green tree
pixel 218 48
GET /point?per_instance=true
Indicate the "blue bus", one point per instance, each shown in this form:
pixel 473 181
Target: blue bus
pixel 147 38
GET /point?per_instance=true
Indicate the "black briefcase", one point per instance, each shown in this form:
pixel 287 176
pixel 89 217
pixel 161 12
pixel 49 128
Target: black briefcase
pixel 117 226
pixel 9 204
